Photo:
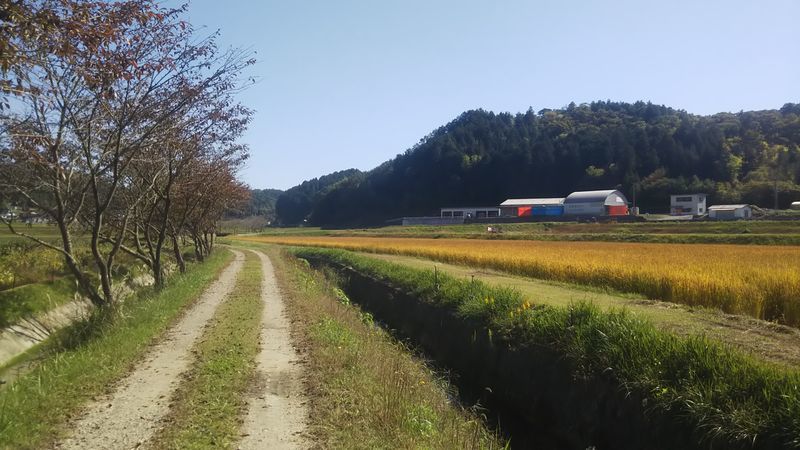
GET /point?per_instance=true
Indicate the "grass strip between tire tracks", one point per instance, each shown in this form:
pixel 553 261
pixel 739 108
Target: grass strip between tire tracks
pixel 211 398
pixel 90 355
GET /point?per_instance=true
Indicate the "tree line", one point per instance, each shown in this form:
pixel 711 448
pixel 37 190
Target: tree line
pixel 648 151
pixel 119 123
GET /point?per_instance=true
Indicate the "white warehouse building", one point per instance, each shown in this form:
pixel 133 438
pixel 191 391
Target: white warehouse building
pixel 730 212
pixel 609 202
pixel 475 212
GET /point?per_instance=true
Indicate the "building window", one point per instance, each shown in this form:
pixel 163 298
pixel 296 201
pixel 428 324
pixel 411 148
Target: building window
pixel 492 214
pixel 683 199
pixel 447 213
pixel 458 213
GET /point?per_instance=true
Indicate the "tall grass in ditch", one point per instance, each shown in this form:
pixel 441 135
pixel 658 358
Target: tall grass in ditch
pixel 762 282
pixel 729 396
pixel 368 390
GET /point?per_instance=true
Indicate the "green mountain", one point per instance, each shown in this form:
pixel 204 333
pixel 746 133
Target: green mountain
pixel 261 204
pixel 295 206
pixel 482 158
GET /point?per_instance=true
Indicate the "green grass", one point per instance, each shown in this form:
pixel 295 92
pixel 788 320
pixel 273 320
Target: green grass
pixel 366 389
pixel 730 396
pixel 758 232
pixel 208 405
pixel 32 299
pixel 764 340
pixel 48 233
pixel 84 358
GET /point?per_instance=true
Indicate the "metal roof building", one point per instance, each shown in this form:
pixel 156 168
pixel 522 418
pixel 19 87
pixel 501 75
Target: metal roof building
pixel 730 212
pixel 523 207
pixel 470 211
pixel 533 202
pixel 609 202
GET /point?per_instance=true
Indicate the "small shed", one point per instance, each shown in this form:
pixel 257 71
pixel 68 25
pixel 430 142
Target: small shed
pixel 794 205
pixel 730 212
pixel 609 202
pixel 523 207
pixel 685 204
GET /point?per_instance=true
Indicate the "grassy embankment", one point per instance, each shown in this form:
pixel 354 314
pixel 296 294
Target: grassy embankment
pixel 28 300
pixel 739 232
pixel 366 389
pixel 728 396
pixel 759 281
pixel 84 358
pixel 208 404
pixel 765 340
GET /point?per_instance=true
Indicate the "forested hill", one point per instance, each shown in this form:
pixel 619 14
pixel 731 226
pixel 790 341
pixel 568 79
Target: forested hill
pixel 482 158
pixel 262 203
pixel 298 203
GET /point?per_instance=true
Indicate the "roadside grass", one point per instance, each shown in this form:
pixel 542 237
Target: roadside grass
pixel 366 389
pixel 28 300
pixel 81 360
pixel 208 405
pixel 729 396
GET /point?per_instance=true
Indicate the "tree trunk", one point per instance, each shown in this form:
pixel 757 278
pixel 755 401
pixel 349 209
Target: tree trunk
pixel 176 248
pixel 158 274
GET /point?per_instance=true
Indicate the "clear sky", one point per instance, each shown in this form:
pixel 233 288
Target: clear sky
pixel 353 83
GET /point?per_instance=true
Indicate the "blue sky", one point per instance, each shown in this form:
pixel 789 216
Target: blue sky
pixel 353 83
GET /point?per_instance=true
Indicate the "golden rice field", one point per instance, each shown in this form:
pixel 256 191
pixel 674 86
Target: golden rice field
pixel 760 281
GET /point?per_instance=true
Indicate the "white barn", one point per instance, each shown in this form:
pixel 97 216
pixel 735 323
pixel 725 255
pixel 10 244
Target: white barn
pixel 694 204
pixel 730 212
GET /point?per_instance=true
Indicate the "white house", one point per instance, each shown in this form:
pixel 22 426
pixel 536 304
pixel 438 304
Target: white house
pixel 694 204
pixel 730 212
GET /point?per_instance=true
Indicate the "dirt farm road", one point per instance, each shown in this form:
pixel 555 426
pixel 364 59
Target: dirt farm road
pixel 131 415
pixel 277 415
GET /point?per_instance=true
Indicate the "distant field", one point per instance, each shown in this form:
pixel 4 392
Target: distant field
pixel 739 232
pixel 760 281
pixel 47 233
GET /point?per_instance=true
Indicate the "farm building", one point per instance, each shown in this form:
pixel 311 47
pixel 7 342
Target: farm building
pixel 694 204
pixel 730 212
pixel 471 212
pixel 596 203
pixel 523 207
